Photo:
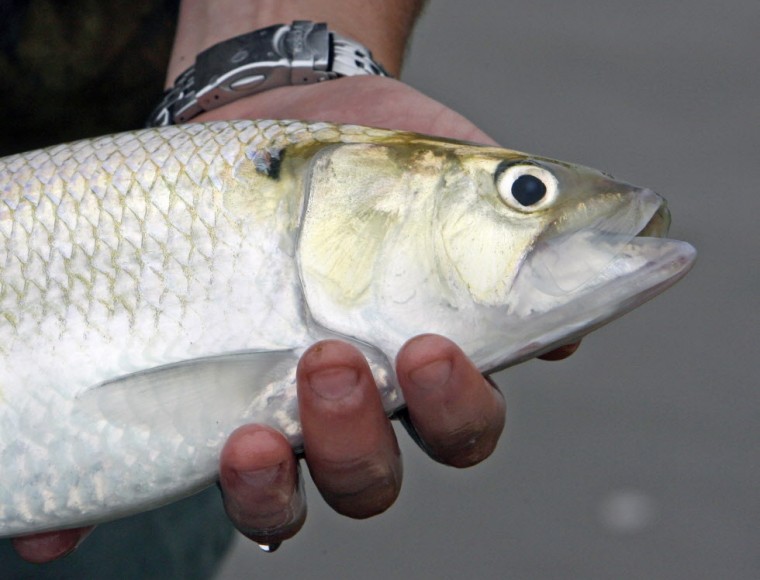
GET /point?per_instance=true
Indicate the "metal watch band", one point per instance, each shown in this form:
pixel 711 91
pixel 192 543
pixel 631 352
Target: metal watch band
pixel 284 54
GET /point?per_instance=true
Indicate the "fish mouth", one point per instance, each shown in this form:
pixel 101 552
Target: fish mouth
pixel 580 276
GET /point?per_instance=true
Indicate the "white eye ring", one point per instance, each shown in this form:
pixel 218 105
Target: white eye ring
pixel 526 187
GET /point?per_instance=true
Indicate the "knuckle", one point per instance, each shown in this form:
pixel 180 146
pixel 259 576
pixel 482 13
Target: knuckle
pixel 362 488
pixel 272 515
pixel 468 445
pixel 271 525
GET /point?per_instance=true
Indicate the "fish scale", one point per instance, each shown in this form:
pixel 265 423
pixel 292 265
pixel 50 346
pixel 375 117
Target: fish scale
pixel 158 287
pixel 137 242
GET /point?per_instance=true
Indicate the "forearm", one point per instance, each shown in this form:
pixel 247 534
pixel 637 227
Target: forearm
pixel 384 26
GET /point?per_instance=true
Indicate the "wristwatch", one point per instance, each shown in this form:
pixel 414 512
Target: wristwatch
pixel 284 54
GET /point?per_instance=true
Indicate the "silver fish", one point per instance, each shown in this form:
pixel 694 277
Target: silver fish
pixel 158 287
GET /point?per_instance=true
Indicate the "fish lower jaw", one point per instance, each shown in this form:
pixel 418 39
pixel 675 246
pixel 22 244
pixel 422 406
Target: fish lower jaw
pixel 548 316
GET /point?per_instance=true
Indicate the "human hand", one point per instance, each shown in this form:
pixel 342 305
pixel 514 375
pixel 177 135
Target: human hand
pixel 349 445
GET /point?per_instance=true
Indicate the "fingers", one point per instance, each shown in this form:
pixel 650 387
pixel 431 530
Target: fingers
pixel 349 443
pixel 562 352
pixel 456 412
pixel 49 546
pixel 261 485
pixel 349 446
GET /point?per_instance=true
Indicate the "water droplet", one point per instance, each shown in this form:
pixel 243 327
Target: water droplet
pixel 627 511
pixel 269 548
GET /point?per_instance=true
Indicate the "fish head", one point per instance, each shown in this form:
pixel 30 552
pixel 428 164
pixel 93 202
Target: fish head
pixel 508 254
pixel 600 251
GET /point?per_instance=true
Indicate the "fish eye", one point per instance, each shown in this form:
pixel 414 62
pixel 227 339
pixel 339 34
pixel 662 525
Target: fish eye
pixel 526 187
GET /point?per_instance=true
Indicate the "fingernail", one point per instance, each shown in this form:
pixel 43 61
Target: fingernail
pixel 433 375
pixel 334 383
pixel 261 478
pixel 260 441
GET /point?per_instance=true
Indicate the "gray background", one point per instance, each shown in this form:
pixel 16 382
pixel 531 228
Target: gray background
pixel 639 456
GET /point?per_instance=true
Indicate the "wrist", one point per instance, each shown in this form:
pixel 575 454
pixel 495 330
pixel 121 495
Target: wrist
pixel 281 55
pixel 383 27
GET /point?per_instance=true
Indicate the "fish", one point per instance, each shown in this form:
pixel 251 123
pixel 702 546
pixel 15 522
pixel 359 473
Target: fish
pixel 157 287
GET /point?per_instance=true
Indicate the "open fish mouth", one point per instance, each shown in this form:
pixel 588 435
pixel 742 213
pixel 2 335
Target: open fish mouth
pixel 563 262
pixel 573 281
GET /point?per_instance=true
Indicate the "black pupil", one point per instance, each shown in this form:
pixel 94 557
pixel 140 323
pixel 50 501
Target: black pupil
pixel 528 190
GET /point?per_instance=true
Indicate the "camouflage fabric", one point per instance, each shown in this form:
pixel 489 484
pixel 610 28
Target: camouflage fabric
pixel 77 68
pixel 71 69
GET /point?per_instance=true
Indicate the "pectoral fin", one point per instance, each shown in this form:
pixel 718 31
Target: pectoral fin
pixel 201 398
